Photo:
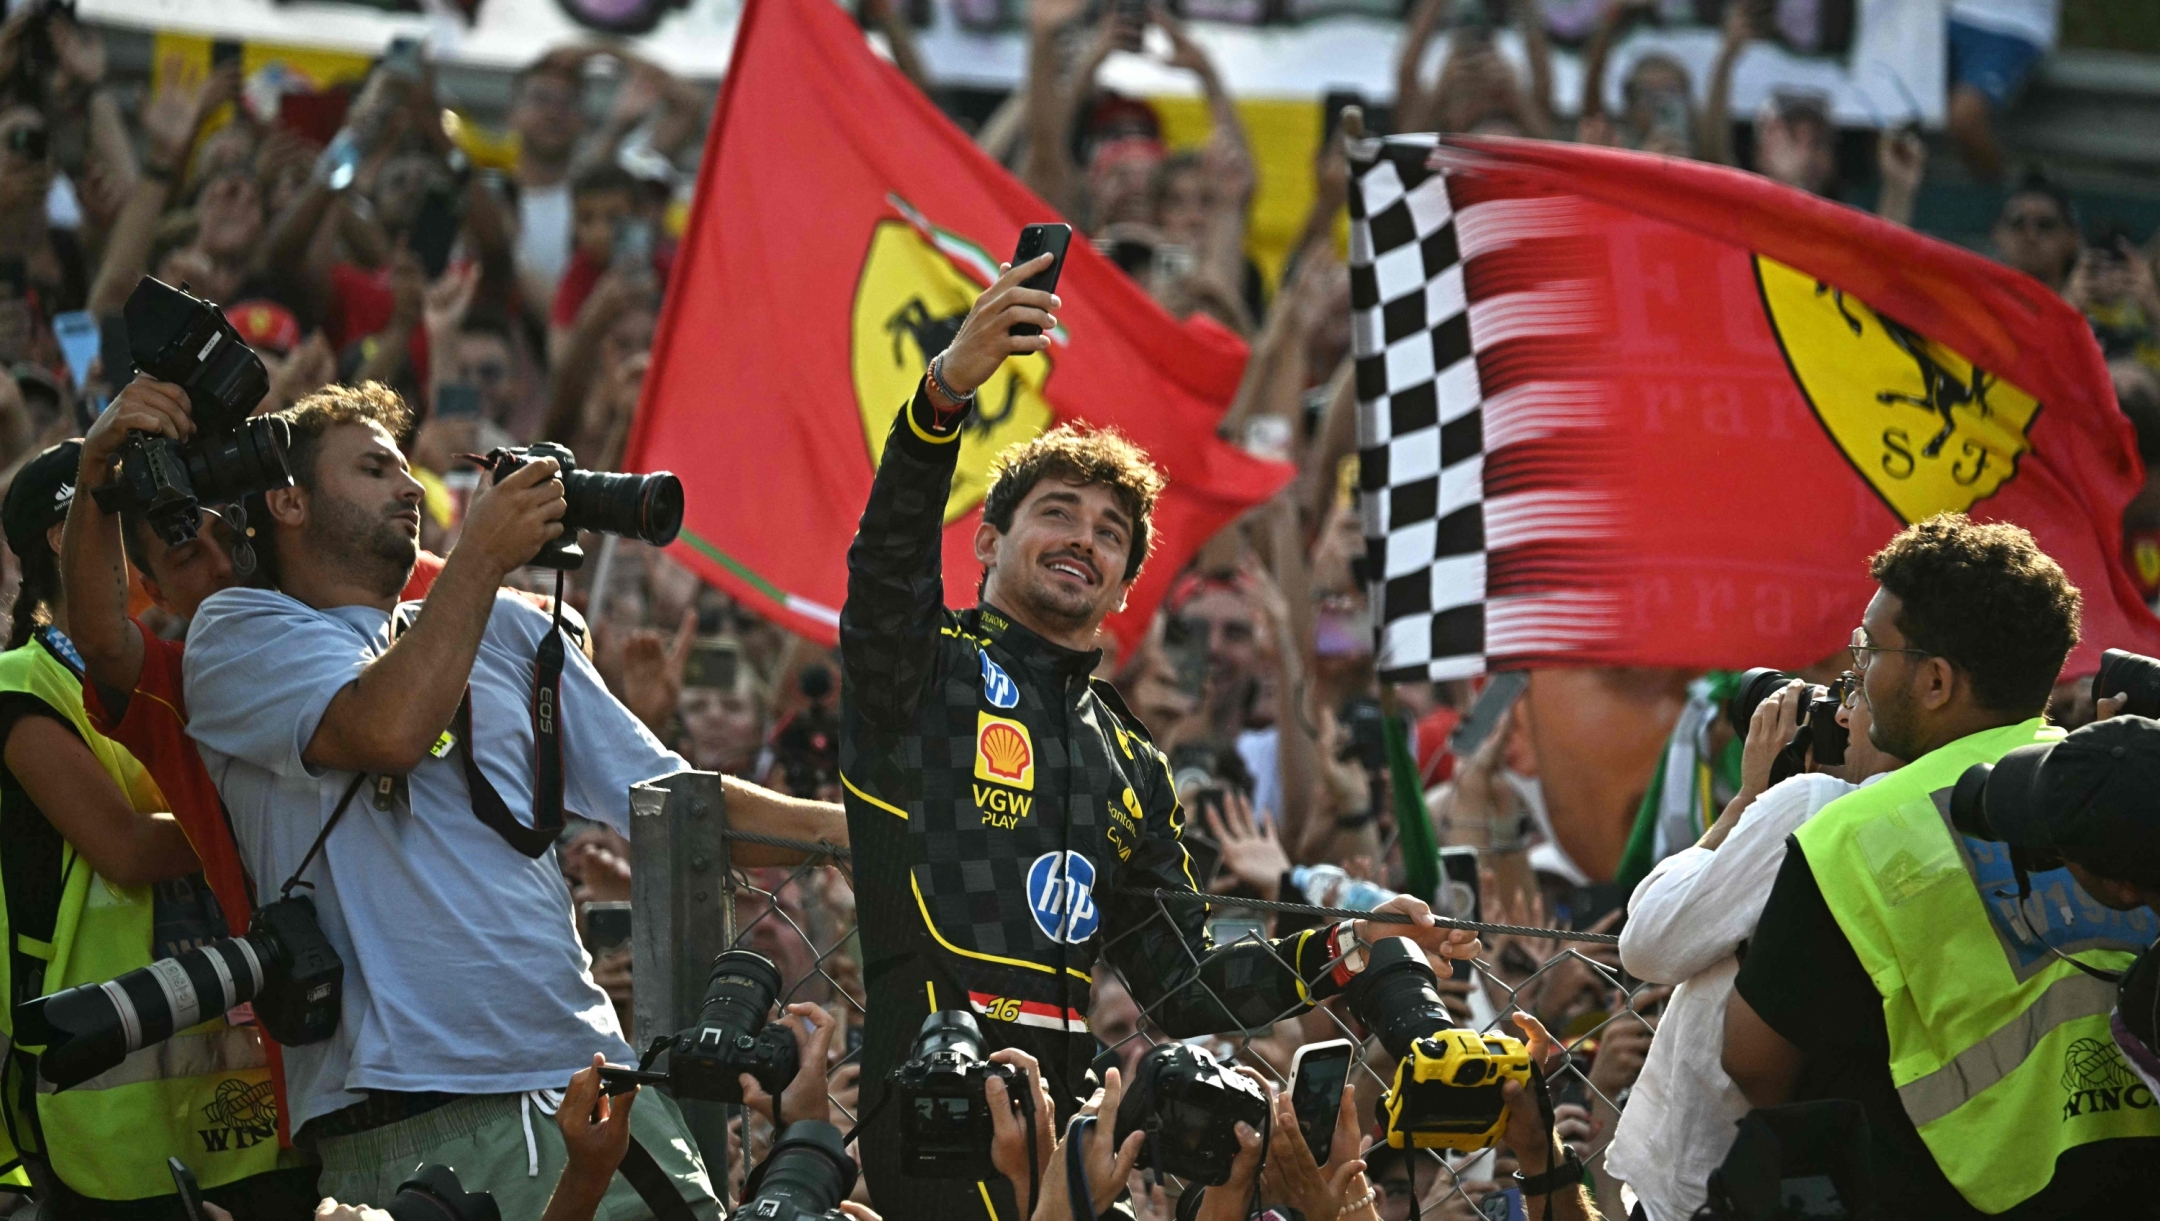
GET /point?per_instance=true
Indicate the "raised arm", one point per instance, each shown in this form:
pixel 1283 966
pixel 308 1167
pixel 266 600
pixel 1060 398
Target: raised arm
pixel 896 585
pixel 753 808
pixel 172 121
pixel 1717 108
pixel 388 718
pixel 1048 169
pixel 1537 49
pixel 1413 102
pixel 1227 161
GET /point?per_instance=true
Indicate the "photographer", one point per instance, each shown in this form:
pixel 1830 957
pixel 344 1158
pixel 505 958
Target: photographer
pixel 1890 968
pixel 1686 924
pixel 1001 804
pixel 306 695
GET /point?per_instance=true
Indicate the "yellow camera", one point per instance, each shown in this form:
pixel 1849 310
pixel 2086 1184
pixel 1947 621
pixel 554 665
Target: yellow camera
pixel 1446 1093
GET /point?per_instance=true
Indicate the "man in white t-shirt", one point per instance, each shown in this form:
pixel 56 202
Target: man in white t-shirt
pixel 1686 923
pixel 1994 47
pixel 548 117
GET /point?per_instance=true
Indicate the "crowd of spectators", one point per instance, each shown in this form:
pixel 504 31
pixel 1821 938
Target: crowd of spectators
pixel 515 300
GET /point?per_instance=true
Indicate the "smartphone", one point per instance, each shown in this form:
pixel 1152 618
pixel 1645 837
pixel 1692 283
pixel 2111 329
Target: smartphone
pixel 404 57
pixel 1038 240
pixel 114 356
pixel 435 229
pixel 633 247
pixel 457 401
pixel 1505 1204
pixel 224 51
pixel 191 1201
pixel 1317 1077
pixel 77 331
pixel 607 926
pixel 1459 888
pixel 1186 647
pixel 712 664
pixel 1499 695
pixel 1173 262
pixel 1229 930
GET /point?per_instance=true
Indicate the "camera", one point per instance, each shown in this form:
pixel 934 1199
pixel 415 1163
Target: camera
pixel 944 1117
pixel 1189 1104
pixel 433 1193
pixel 644 507
pixel 1819 734
pixel 179 338
pixel 284 965
pixel 2131 674
pixel 731 1037
pixel 1446 1092
pixel 807 1174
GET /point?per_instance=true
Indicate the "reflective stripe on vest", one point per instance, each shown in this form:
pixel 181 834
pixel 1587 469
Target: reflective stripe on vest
pixel 2000 1051
pixel 224 1049
pixel 204 1097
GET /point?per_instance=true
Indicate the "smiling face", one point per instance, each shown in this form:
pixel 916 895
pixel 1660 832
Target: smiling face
pixel 1061 567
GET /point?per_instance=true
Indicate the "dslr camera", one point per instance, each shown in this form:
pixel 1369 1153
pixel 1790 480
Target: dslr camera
pixel 806 1176
pixel 284 965
pixel 1819 734
pixel 731 1038
pixel 1189 1104
pixel 433 1193
pixel 644 507
pixel 179 338
pixel 2131 674
pixel 944 1116
pixel 1446 1092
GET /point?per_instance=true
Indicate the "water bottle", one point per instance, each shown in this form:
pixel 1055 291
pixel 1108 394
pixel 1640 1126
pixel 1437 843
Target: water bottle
pixel 1331 886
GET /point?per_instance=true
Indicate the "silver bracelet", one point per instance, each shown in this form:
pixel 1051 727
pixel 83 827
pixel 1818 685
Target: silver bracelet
pixel 937 379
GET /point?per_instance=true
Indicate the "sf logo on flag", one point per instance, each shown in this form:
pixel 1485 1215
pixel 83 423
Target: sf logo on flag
pixel 1061 896
pixel 910 300
pixel 1928 431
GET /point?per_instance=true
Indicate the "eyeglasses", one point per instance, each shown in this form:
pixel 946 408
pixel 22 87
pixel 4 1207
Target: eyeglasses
pixel 1863 652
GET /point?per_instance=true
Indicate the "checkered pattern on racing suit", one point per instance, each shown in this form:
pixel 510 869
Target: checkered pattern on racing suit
pixel 948 817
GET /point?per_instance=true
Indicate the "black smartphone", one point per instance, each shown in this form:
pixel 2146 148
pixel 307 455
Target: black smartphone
pixel 1501 693
pixel 435 228
pixel 405 57
pixel 607 926
pixel 1461 896
pixel 632 249
pixel 1185 644
pixel 712 664
pixel 224 51
pixel 457 401
pixel 191 1201
pixel 1037 240
pixel 1317 1078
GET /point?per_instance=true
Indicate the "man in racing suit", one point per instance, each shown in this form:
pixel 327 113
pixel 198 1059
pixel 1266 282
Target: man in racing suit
pixel 1001 803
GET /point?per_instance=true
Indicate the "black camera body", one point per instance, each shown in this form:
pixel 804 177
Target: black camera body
pixel 284 965
pixel 2132 674
pixel 805 1177
pixel 944 1115
pixel 1189 1104
pixel 732 1036
pixel 179 338
pixel 433 1193
pixel 644 507
pixel 1819 735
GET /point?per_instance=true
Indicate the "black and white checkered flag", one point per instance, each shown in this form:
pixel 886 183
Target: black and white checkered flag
pixel 1482 535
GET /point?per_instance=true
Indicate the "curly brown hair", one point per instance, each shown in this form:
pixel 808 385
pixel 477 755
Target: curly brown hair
pixel 1079 454
pixel 318 413
pixel 1988 600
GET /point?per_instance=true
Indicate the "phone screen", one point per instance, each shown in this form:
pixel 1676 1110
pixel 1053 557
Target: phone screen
pixel 457 401
pixel 607 926
pixel 712 664
pixel 191 1201
pixel 1186 645
pixel 1316 1094
pixel 435 229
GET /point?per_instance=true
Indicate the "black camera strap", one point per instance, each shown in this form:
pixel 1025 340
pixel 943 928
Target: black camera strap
pixel 651 1181
pixel 322 836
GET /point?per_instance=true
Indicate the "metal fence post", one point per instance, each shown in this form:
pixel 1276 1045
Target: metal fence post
pixel 681 919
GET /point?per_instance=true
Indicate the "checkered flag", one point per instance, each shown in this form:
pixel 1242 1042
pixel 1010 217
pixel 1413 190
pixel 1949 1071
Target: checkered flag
pixel 1483 516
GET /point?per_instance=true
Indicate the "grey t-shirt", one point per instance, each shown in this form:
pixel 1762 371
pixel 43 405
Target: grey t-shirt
pixel 463 971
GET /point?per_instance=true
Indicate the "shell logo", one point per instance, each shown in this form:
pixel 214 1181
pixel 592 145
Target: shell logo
pixel 1004 754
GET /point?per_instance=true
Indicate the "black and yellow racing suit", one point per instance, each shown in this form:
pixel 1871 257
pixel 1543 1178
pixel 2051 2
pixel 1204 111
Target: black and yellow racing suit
pixel 1001 802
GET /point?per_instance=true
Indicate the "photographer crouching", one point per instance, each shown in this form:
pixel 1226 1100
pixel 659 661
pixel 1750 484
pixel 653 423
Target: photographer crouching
pixel 395 766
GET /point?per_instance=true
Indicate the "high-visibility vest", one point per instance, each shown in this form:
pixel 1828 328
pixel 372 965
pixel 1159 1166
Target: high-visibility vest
pixel 1999 1049
pixel 203 1096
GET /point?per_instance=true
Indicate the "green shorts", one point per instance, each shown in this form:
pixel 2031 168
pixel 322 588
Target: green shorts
pixel 503 1145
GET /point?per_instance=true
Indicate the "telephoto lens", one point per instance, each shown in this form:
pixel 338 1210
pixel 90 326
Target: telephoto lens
pixel 2131 674
pixel 1189 1104
pixel 732 1036
pixel 1756 685
pixel 227 467
pixel 1447 1088
pixel 944 1114
pixel 1819 739
pixel 91 1028
pixel 644 507
pixel 807 1175
pixel 1991 796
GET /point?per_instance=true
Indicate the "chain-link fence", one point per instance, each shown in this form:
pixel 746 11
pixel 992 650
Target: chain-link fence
pixel 803 918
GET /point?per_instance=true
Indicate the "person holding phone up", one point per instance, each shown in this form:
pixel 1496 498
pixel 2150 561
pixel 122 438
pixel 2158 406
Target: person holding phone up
pixel 1000 801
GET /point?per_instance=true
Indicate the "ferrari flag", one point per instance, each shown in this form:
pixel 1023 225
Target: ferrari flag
pixel 841 230
pixel 1623 410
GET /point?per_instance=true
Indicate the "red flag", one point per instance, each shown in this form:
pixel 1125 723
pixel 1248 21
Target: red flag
pixel 841 229
pixel 1707 398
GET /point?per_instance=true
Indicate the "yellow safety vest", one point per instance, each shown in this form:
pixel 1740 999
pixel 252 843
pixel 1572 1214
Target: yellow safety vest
pixel 1999 1049
pixel 203 1096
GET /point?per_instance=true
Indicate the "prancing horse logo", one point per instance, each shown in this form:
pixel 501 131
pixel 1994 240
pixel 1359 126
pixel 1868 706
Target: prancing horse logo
pixel 1865 375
